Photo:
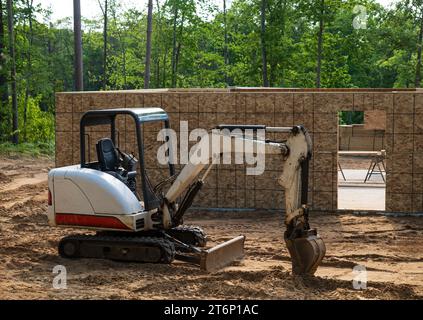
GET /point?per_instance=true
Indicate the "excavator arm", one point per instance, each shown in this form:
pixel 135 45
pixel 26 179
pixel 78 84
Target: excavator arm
pixel 305 246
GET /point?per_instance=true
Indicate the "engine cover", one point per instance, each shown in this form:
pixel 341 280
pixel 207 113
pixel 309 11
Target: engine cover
pixel 82 191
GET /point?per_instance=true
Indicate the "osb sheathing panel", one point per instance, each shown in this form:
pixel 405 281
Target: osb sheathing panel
pixel 374 120
pixel 228 186
pixel 357 138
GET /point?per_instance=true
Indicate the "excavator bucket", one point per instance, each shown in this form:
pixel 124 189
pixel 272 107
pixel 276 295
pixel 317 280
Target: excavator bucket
pixel 222 255
pixel 306 253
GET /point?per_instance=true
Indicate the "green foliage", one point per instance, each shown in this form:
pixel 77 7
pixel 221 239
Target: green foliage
pixel 191 35
pixel 40 124
pixel 29 149
pixel 351 117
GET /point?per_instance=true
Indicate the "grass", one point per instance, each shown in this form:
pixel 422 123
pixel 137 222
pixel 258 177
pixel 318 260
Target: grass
pixel 38 149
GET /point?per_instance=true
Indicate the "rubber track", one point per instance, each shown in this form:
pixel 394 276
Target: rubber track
pixel 166 246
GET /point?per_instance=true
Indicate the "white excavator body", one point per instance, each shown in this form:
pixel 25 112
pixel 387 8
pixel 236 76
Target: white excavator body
pixel 87 198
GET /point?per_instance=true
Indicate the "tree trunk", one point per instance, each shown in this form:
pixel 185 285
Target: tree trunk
pixel 29 4
pixel 225 52
pixel 122 47
pixel 279 64
pixel 125 77
pixel 263 43
pixel 157 71
pixel 49 52
pixel 105 45
pixel 148 46
pixel 79 77
pixel 104 10
pixel 419 53
pixel 3 77
pixel 320 44
pixel 174 46
pixel 15 136
pixel 178 50
pixel 158 48
pixel 272 73
pixel 123 54
pixel 164 68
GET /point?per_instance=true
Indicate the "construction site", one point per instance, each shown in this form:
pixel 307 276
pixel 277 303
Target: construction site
pixel 363 193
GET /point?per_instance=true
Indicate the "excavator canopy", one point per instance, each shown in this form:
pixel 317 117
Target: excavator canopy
pixel 139 116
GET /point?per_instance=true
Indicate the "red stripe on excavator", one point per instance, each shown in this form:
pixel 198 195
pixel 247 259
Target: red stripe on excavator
pixel 90 221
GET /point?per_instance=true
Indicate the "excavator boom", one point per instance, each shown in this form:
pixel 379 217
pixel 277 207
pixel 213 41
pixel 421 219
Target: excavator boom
pixel 305 246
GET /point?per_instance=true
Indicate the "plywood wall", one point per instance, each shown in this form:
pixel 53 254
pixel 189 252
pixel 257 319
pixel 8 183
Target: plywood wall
pixel 227 185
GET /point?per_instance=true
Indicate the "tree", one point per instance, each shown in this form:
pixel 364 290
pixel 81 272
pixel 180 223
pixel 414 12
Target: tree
pixel 320 43
pixel 148 45
pixel 182 14
pixel 104 10
pixel 174 42
pixel 79 79
pixel 415 8
pixel 263 7
pixel 3 76
pixel 28 78
pixel 4 96
pixel 226 50
pixel 158 45
pixel 323 13
pixel 118 34
pixel 10 23
pixel 419 50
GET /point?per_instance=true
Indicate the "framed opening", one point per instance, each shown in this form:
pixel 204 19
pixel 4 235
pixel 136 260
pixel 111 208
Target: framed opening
pixel 361 160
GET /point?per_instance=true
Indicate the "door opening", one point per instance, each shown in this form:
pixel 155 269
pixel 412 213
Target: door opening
pixel 361 160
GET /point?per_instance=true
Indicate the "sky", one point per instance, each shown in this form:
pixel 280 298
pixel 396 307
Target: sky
pixel 90 8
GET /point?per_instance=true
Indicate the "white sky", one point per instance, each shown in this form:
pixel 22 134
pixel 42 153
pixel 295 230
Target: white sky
pixel 90 8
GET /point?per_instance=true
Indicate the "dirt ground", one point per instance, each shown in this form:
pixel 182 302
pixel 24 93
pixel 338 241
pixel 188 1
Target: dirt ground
pixel 390 248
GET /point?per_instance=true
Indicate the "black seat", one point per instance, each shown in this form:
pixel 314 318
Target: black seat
pixel 109 158
pixel 108 155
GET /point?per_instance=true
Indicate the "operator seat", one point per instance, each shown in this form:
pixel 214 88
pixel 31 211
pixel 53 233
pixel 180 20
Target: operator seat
pixel 109 159
pixel 108 155
pixel 110 162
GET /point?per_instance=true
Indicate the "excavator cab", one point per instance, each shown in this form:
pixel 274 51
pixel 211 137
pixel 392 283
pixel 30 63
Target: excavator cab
pixel 112 160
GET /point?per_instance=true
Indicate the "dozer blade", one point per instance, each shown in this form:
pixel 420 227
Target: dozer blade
pixel 222 255
pixel 306 253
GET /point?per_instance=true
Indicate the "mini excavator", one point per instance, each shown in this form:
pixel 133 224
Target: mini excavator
pixel 135 221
